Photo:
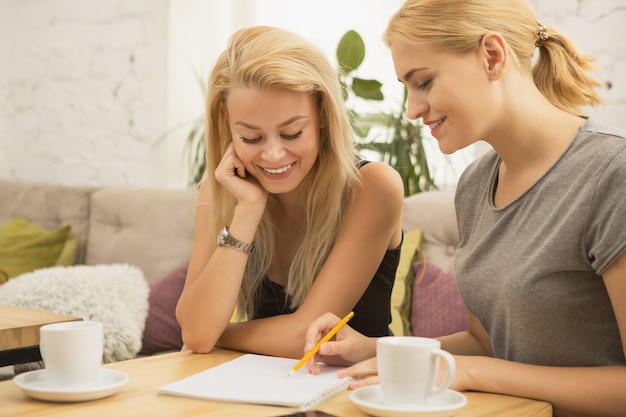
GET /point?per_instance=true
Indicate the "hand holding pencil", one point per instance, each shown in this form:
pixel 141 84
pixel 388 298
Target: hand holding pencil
pixel 311 353
pixel 349 349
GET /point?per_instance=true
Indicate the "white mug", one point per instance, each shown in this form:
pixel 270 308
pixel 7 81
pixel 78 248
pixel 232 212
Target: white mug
pixel 72 351
pixel 408 368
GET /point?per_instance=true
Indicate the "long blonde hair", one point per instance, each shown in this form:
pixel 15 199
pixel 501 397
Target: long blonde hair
pixel 266 57
pixel 560 72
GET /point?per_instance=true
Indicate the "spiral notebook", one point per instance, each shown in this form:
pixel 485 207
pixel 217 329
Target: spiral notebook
pixel 258 379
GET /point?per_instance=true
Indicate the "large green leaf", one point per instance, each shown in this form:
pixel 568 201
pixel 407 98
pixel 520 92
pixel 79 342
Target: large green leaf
pixel 367 89
pixel 350 52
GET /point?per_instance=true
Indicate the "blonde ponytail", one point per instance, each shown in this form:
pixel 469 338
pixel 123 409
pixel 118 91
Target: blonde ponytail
pixel 561 73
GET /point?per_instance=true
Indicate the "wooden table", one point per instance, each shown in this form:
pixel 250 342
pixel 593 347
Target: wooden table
pixel 139 396
pixel 19 333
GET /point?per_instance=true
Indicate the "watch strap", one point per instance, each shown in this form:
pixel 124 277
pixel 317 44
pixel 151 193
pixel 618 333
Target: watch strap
pixel 226 239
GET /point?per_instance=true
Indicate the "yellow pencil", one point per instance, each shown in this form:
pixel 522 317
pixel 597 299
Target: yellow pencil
pixel 324 339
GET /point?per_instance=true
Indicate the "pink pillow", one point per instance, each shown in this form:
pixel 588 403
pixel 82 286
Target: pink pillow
pixel 437 308
pixel 162 331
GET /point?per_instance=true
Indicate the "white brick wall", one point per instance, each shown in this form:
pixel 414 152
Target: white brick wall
pixel 84 83
pixel 83 90
pixel 599 28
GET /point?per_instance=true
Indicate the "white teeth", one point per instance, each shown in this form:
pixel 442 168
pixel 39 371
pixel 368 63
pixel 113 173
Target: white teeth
pixel 437 123
pixel 277 171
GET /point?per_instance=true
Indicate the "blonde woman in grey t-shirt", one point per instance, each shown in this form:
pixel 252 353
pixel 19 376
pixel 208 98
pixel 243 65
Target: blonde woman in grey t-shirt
pixel 541 263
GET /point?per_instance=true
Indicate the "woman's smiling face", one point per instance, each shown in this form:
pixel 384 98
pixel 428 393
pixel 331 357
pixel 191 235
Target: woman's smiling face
pixel 276 134
pixel 450 92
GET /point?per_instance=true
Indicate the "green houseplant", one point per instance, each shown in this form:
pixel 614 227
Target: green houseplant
pixel 395 139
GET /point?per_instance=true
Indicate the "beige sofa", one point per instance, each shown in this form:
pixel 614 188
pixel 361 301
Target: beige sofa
pixel 150 228
pixel 153 228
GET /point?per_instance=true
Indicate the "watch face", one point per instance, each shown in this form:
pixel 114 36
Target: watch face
pixel 221 238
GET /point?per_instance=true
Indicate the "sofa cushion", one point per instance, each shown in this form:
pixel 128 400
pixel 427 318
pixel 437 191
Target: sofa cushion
pixel 400 315
pixel 25 247
pixel 162 331
pixel 48 206
pixel 433 213
pixel 437 308
pixel 150 228
pixel 116 295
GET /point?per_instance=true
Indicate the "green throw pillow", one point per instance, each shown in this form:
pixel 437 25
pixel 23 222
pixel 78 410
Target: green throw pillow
pixel 403 285
pixel 67 257
pixel 25 247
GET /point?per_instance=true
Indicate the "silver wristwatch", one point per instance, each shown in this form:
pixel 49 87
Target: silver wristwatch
pixel 226 239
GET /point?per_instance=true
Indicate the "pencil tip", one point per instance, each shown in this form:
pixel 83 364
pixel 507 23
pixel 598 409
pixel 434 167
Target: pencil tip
pixel 291 372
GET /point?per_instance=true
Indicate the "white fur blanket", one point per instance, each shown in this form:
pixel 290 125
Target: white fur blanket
pixel 116 295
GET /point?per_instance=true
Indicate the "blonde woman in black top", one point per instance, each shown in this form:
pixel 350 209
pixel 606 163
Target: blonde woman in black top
pixel 290 223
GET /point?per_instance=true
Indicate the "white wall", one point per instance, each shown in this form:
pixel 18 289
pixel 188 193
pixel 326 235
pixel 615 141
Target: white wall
pixel 82 87
pixel 599 28
pixel 94 92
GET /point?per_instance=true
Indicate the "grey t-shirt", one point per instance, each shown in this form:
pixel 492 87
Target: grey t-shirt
pixel 531 271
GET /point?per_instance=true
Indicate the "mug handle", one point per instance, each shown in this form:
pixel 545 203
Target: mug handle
pixel 449 359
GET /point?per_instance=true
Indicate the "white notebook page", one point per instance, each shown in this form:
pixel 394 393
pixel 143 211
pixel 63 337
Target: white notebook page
pixel 258 379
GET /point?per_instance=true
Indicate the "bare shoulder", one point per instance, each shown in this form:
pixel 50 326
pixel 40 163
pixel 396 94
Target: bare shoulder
pixel 381 181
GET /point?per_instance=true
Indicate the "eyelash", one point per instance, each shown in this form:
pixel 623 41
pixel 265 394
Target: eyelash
pixel 256 140
pixel 249 141
pixel 424 85
pixel 294 136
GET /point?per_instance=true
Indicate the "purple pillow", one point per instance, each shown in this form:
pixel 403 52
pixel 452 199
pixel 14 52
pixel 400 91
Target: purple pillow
pixel 162 331
pixel 437 308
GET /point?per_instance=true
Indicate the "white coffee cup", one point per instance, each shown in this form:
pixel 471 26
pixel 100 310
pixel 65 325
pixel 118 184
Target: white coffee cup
pixel 408 368
pixel 72 351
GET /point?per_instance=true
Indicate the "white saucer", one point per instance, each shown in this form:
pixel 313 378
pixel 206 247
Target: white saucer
pixel 36 385
pixel 370 400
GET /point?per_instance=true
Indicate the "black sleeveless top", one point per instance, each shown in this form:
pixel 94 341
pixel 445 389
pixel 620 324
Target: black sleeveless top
pixel 372 313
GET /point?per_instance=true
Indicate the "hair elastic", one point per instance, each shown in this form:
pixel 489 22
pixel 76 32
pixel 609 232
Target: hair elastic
pixel 541 35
